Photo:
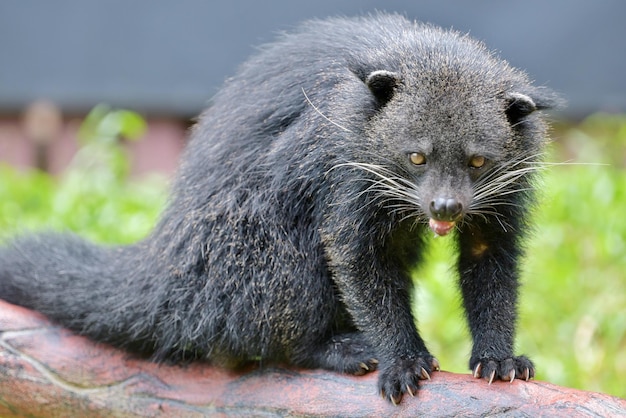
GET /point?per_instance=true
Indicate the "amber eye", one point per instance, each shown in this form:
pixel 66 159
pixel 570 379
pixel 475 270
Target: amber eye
pixel 417 158
pixel 477 161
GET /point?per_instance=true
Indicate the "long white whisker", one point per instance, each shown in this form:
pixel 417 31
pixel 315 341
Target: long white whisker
pixel 323 115
pixel 387 189
pixel 494 189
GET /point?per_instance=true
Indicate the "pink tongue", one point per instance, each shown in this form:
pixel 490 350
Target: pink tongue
pixel 440 228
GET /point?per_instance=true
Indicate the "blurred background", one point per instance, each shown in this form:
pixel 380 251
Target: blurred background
pixel 167 59
pixel 96 98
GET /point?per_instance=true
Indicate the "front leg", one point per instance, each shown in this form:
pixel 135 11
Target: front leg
pixel 488 268
pixel 370 269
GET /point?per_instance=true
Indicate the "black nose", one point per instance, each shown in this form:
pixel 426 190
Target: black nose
pixel 445 209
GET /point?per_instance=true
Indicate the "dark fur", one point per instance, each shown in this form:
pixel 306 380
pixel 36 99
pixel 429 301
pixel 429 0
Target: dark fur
pixel 284 241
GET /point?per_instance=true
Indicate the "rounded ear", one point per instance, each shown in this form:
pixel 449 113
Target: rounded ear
pixel 382 84
pixel 519 106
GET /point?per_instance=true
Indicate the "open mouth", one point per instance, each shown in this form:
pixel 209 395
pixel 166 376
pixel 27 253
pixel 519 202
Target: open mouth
pixel 440 228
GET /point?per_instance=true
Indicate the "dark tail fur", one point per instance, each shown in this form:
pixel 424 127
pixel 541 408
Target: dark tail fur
pixel 76 283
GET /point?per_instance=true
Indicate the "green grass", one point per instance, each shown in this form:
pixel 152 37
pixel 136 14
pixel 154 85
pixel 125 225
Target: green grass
pixel 573 301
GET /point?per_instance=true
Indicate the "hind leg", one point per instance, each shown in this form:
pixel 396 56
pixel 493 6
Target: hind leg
pixel 347 352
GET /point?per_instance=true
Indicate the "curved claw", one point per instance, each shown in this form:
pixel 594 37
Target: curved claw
pixel 477 370
pixel 435 364
pixel 511 376
pixel 492 376
pixel 424 374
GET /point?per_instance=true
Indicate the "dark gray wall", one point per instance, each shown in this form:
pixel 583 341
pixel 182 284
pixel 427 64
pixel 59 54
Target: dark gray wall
pixel 171 56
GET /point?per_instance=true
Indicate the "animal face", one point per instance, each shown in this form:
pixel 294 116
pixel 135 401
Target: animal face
pixel 448 154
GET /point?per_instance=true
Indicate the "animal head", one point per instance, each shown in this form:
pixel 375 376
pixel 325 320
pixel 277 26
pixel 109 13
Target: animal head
pixel 457 134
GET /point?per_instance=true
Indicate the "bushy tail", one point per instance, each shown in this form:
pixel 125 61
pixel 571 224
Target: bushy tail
pixel 80 285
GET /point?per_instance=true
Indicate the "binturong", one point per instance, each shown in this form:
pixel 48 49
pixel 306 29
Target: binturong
pixel 302 205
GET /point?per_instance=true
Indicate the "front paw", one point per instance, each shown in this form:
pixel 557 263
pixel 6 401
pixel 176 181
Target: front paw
pixel 402 375
pixel 508 369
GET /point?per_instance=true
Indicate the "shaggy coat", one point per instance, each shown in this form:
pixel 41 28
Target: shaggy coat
pixel 301 205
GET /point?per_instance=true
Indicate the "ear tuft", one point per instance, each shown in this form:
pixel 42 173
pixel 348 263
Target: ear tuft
pixel 519 106
pixel 382 84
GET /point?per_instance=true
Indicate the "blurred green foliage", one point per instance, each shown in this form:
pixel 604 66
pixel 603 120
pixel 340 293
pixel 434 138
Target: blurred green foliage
pixel 573 301
pixel 94 197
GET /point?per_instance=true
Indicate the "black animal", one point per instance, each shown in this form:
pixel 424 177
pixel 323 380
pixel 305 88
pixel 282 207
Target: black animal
pixel 301 206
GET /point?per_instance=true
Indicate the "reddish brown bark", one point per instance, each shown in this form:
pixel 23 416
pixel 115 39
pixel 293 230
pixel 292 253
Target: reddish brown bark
pixel 46 371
